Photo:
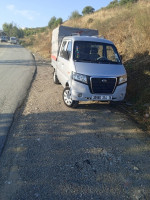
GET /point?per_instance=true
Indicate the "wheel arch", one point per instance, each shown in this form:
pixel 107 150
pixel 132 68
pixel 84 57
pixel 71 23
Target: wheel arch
pixel 67 84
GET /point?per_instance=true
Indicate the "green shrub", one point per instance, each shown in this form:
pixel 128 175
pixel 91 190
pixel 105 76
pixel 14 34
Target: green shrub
pixel 75 15
pixel 88 10
pixel 122 2
pixel 113 4
pixel 54 22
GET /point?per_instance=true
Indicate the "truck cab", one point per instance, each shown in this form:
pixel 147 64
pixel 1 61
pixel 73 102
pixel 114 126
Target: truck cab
pixel 90 69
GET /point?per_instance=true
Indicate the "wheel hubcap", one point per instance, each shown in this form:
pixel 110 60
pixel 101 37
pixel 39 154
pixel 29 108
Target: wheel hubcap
pixel 67 97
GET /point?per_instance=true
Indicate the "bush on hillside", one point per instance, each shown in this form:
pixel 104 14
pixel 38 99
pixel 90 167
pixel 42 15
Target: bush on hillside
pixel 75 15
pixel 54 22
pixel 88 10
pixel 115 3
pixel 59 21
pixel 122 2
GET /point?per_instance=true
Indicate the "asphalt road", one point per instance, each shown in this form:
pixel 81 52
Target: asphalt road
pixel 93 152
pixel 16 72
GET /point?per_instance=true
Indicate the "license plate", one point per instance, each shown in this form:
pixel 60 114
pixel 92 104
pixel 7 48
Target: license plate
pixel 102 97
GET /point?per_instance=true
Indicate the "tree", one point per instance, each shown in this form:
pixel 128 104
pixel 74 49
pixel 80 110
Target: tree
pixel 59 21
pixel 54 22
pixel 7 28
pixel 75 15
pixel 12 30
pixel 88 10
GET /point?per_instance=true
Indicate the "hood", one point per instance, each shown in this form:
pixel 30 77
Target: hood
pixel 96 69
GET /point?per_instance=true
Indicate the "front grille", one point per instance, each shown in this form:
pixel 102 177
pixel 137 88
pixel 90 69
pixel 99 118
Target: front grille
pixel 103 85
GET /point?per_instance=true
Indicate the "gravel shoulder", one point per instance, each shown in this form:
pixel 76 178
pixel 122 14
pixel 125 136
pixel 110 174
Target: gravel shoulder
pixel 54 152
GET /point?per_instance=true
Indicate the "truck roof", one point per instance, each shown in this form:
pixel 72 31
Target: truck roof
pixel 88 38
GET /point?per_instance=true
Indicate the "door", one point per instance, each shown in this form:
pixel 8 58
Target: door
pixel 63 69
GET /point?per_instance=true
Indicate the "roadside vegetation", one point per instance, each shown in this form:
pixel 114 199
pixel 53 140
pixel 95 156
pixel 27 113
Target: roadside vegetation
pixel 12 30
pixel 127 24
pixel 54 22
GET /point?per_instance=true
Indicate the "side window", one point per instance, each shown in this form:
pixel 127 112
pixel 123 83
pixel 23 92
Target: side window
pixel 66 49
pixel 63 48
pixel 111 54
pixel 69 49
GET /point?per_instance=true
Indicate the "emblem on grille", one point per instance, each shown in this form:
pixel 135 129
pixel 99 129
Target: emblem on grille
pixel 104 80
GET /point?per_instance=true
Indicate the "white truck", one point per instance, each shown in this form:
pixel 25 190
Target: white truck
pixel 13 40
pixel 88 67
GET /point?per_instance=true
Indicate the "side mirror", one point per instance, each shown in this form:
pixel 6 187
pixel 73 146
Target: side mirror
pixel 66 55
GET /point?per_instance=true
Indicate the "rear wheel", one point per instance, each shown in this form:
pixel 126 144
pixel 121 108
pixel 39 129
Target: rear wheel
pixel 68 99
pixel 55 79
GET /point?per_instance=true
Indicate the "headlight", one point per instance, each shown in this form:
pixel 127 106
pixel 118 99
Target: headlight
pixel 122 79
pixel 79 77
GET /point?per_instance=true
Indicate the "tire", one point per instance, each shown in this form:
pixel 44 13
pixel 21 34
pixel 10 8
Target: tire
pixel 68 99
pixel 55 79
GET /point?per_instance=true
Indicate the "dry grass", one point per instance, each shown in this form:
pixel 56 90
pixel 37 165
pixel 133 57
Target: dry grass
pixel 40 44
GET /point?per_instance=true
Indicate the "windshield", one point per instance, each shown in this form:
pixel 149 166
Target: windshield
pixel 95 52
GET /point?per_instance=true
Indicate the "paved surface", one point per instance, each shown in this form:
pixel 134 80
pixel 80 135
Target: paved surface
pixel 57 153
pixel 16 72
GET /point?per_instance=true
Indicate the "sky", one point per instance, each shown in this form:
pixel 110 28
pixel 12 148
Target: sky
pixel 37 13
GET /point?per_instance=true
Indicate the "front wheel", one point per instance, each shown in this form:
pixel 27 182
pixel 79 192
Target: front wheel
pixel 68 99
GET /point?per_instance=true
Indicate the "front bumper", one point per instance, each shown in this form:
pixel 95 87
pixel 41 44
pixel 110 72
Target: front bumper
pixel 81 92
